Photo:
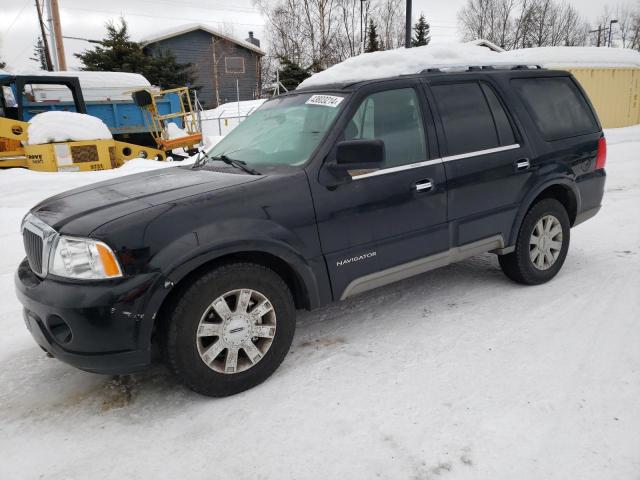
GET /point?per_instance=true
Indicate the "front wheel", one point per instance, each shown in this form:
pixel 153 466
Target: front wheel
pixel 231 329
pixel 542 245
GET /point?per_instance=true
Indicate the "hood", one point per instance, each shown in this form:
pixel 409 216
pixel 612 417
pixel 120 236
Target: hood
pixel 82 210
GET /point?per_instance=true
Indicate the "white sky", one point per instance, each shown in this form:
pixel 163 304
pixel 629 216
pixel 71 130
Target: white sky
pixel 86 18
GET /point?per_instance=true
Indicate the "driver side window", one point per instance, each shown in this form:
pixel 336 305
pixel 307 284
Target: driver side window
pixel 394 117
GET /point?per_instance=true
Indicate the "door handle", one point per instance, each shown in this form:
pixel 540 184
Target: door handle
pixel 523 164
pixel 424 185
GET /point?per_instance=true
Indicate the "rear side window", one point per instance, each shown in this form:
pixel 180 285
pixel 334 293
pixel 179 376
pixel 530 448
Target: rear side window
pixel 503 126
pixel 472 117
pixel 557 107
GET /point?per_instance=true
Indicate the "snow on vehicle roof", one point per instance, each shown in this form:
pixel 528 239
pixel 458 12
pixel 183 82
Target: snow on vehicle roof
pixel 49 127
pixel 403 61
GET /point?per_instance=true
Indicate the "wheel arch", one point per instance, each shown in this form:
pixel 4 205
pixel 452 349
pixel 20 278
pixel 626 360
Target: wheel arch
pixel 298 276
pixel 562 189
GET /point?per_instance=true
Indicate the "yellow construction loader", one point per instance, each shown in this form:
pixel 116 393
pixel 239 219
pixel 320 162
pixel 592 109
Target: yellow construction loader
pixel 89 155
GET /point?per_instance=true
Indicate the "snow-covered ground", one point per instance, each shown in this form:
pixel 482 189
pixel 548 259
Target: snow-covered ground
pixel 226 117
pixel 455 374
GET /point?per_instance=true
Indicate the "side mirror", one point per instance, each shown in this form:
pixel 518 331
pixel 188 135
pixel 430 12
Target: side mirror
pixel 359 155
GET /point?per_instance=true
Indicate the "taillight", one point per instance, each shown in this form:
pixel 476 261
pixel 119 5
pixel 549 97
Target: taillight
pixel 601 157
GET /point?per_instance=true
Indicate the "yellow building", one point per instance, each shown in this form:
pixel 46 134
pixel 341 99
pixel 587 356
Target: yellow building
pixel 613 92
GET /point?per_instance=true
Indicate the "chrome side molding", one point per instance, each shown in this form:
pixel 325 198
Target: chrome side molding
pixel 422 265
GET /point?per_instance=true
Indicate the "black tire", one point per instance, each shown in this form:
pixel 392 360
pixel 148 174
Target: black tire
pixel 518 265
pixel 181 345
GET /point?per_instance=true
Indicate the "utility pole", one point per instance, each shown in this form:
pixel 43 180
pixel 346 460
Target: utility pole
pixel 361 31
pixel 57 33
pixel 52 38
pixel 611 29
pixel 45 41
pixel 407 33
pixel 599 30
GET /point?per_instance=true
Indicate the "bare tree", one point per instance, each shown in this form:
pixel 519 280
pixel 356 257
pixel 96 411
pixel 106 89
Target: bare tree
pixel 625 15
pixel 522 23
pixel 389 16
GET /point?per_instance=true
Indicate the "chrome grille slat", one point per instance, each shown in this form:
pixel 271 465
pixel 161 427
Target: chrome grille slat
pixel 38 239
pixel 33 246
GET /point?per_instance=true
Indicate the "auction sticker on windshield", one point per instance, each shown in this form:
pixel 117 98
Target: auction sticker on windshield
pixel 325 100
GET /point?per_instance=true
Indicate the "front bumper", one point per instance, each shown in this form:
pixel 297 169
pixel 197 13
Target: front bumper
pixel 99 327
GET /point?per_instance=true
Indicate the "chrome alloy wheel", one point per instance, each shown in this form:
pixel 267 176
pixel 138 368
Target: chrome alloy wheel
pixel 236 331
pixel 545 242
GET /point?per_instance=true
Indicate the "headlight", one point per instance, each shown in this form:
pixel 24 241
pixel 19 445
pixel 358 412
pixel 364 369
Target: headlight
pixel 83 258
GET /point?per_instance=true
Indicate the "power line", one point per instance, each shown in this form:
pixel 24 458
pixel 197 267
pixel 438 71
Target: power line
pixel 17 16
pixel 198 20
pixel 200 7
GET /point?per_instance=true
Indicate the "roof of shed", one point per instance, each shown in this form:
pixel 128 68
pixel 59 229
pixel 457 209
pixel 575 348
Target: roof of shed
pixel 182 29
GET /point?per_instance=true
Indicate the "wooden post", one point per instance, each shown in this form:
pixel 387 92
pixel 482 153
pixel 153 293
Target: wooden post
pixel 57 32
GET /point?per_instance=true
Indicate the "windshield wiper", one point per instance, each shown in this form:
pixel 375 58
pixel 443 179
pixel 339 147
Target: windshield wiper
pixel 236 163
pixel 201 160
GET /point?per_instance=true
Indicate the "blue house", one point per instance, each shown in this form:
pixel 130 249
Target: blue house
pixel 225 67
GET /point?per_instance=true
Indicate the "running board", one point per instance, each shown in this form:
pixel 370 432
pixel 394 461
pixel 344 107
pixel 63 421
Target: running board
pixel 422 265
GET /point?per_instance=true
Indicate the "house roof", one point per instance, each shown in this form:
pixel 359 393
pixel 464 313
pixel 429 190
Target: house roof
pixel 182 29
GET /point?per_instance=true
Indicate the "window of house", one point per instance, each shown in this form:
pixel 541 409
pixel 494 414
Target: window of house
pixel 234 64
pixel 393 116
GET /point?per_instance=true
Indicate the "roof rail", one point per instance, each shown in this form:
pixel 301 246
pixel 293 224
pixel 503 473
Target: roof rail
pixel 474 68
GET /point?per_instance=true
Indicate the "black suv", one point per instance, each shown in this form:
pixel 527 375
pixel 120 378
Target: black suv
pixel 321 194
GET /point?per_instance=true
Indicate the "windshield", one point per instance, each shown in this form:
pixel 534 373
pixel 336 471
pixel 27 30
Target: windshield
pixel 284 131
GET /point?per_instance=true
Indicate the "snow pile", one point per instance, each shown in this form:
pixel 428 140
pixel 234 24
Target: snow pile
pixel 96 86
pixel 101 79
pixel 566 57
pixel 49 127
pixel 233 109
pixel 174 131
pixel 402 61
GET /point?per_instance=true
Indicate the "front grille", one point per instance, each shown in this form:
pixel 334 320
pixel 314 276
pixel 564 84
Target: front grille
pixel 38 238
pixel 33 245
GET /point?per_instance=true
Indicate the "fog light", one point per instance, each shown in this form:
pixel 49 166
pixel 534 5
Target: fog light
pixel 60 329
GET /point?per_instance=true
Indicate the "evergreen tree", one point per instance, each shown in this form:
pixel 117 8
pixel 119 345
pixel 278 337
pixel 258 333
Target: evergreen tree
pixel 39 54
pixel 422 35
pixel 373 44
pixel 118 53
pixel 291 74
pixel 165 72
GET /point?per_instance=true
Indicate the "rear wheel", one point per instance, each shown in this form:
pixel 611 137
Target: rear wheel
pixel 231 329
pixel 542 245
